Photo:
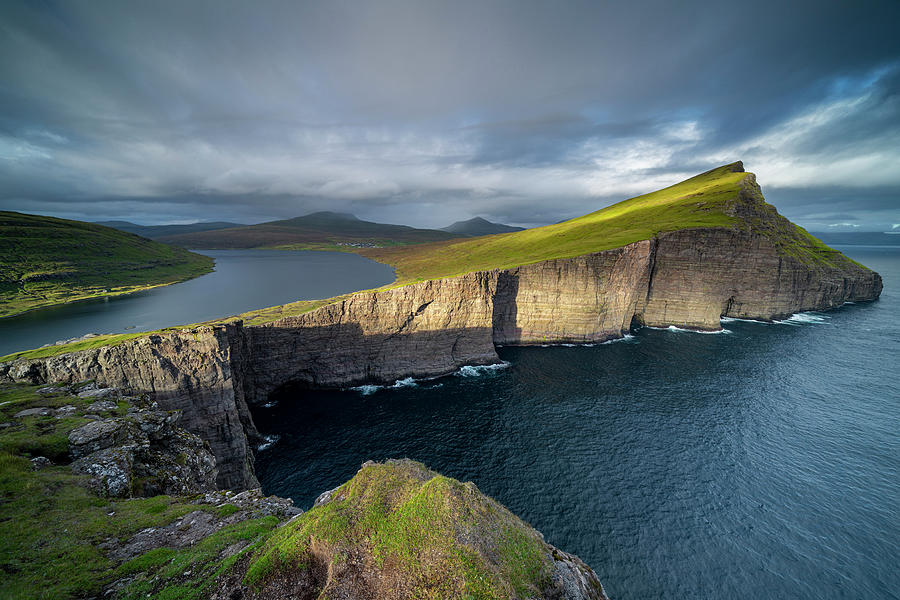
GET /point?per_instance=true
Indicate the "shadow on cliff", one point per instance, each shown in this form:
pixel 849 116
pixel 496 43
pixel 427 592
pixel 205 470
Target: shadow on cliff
pixel 506 309
pixel 344 355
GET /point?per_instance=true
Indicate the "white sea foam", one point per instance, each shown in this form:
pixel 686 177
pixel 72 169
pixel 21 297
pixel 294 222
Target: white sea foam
pixel 402 383
pixel 478 370
pixel 270 441
pixel 805 318
pixel 684 330
pixel 367 390
pixel 624 338
pixel 733 319
pixel 270 405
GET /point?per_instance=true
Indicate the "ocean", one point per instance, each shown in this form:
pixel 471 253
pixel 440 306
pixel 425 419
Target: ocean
pixel 759 462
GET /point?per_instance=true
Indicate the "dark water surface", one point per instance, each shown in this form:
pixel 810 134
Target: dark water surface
pixel 759 463
pixel 243 280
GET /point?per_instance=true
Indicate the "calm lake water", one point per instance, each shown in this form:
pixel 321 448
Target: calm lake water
pixel 759 463
pixel 243 280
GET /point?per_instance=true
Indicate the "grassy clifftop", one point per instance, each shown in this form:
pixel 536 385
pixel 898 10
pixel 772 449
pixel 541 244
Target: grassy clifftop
pixel 46 261
pixel 701 201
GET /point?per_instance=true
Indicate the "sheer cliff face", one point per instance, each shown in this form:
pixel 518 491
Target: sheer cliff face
pixel 423 330
pixel 191 372
pixel 585 299
pixel 699 276
pixel 688 278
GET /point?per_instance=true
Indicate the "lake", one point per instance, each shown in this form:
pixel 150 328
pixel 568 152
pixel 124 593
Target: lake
pixel 762 462
pixel 243 280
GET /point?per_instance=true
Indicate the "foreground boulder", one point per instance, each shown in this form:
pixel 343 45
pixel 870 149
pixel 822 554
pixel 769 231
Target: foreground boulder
pixel 399 530
pixel 143 453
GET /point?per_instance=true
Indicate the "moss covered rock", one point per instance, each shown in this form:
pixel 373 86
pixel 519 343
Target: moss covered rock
pixel 400 530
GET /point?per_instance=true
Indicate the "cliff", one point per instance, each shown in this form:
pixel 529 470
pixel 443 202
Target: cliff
pixel 189 372
pixel 742 260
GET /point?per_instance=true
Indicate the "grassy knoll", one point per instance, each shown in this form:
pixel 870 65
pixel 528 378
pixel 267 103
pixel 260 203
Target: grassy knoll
pixel 419 535
pixel 46 261
pixel 316 231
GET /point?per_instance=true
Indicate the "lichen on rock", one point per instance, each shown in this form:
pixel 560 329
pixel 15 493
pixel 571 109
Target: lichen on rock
pixel 143 453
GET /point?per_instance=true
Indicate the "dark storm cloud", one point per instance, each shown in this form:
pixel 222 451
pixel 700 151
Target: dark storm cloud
pixel 426 112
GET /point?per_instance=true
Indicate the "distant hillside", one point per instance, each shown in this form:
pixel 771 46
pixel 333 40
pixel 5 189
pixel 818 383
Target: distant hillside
pixel 46 261
pixel 478 226
pixel 157 231
pixel 859 238
pixel 320 231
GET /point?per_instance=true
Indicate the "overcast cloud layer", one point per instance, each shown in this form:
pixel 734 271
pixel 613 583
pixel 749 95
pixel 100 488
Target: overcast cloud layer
pixel 424 113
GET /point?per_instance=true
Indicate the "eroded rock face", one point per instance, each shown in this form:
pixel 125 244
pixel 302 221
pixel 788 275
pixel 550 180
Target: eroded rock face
pixel 190 372
pixel 144 453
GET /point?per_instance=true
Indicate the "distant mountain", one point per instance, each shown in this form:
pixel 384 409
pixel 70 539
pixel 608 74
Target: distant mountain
pixel 478 226
pixel 319 230
pixel 157 231
pixel 858 238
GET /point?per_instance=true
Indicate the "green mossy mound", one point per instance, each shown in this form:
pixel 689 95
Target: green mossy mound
pixel 399 530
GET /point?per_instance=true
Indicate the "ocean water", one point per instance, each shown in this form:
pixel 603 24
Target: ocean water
pixel 762 462
pixel 243 280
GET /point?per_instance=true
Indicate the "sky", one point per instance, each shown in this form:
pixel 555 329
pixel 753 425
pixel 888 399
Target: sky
pixel 426 112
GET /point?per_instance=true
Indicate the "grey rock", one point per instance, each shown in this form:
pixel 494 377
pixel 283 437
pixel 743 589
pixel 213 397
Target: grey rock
pixel 64 411
pixel 182 532
pixel 99 435
pixel 53 390
pixel 97 393
pixel 102 406
pixel 111 470
pixel 39 462
pixel 42 411
pixel 143 453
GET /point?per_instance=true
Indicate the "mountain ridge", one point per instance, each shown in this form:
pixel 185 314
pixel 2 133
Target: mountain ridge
pixel 322 230
pixel 478 226
pixel 157 231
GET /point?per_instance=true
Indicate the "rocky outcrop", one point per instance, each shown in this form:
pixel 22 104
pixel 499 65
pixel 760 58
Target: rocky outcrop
pixel 399 530
pixel 143 453
pixel 763 267
pixel 190 372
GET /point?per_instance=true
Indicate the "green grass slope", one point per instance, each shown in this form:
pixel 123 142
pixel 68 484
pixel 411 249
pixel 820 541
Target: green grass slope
pixel 46 261
pixel 316 231
pixel 710 199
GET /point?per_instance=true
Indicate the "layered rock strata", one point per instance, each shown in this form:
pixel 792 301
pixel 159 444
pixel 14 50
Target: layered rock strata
pixel 190 372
